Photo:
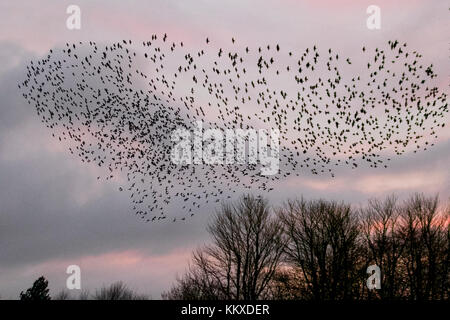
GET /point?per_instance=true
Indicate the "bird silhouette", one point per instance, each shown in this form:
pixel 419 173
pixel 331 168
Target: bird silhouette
pixel 116 106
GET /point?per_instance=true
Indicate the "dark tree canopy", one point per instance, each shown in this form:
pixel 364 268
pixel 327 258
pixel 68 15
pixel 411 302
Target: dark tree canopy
pixel 38 292
pixel 321 249
pixel 240 263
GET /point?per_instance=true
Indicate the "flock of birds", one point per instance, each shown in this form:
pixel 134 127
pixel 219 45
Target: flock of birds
pixel 116 106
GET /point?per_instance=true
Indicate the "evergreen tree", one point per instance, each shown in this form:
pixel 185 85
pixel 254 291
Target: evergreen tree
pixel 39 291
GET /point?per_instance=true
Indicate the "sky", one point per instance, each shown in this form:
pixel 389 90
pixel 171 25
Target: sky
pixel 54 212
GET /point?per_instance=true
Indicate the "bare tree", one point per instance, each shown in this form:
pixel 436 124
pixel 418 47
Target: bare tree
pixel 288 284
pixel 195 284
pixel 245 254
pixel 84 295
pixel 425 235
pixel 62 295
pixel 445 283
pixel 320 250
pixel 323 242
pixel 380 222
pixel 117 291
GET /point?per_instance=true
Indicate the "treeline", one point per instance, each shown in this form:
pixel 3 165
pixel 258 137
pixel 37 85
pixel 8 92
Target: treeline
pixel 309 250
pixel 320 250
pixel 39 291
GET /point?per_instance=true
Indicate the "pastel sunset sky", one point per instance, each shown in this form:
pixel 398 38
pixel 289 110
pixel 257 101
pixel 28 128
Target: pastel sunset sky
pixel 54 212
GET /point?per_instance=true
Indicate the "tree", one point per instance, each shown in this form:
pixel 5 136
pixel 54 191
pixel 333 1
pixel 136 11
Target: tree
pixel 62 295
pixel 323 241
pixel 38 292
pixel 195 284
pixel 410 244
pixel 117 291
pixel 425 234
pixel 245 254
pixel 385 246
pixel 320 250
pixel 288 284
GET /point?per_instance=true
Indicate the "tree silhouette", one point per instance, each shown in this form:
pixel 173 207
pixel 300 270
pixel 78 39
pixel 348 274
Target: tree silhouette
pixel 323 243
pixel 320 250
pixel 117 291
pixel 245 254
pixel 426 248
pixel 385 246
pixel 38 292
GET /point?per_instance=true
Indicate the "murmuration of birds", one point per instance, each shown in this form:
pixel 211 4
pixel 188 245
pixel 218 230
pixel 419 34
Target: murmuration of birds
pixel 116 105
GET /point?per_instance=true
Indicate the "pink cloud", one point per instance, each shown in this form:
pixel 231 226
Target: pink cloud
pixel 145 273
pixel 431 181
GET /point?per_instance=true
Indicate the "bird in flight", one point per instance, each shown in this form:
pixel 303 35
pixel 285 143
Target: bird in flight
pixel 116 105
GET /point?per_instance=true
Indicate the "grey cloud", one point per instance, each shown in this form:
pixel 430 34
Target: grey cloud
pixel 41 217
